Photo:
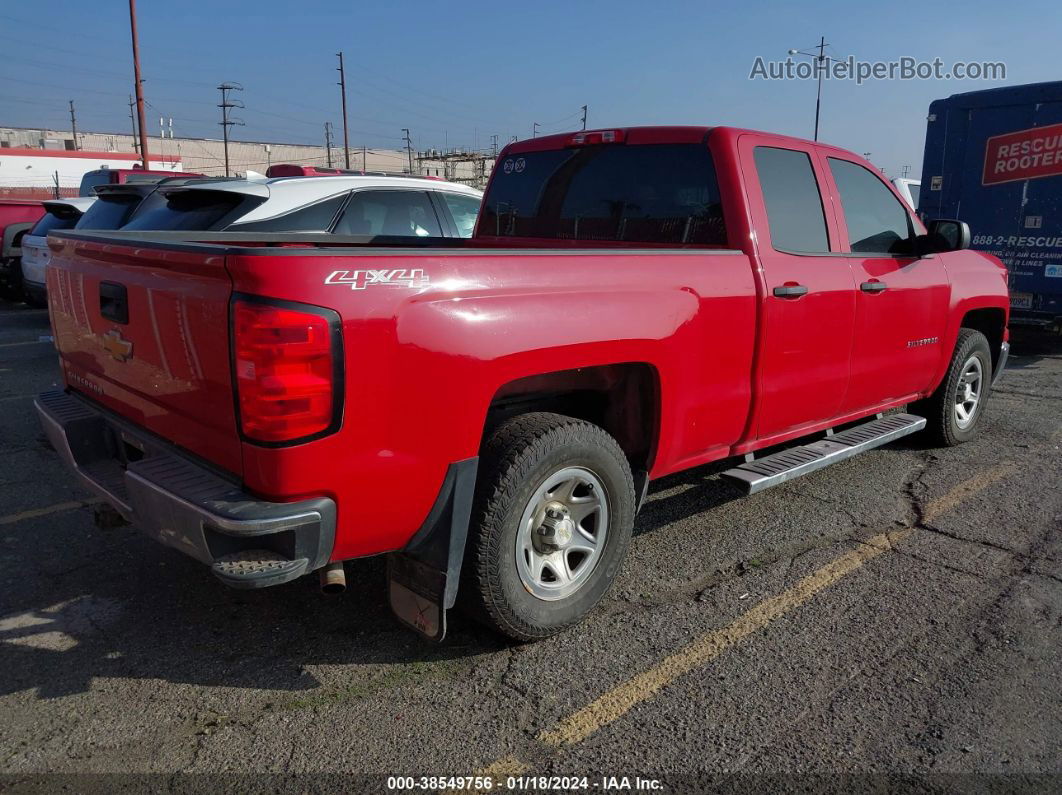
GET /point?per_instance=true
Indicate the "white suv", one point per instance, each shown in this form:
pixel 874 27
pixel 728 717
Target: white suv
pixel 401 206
pixel 58 214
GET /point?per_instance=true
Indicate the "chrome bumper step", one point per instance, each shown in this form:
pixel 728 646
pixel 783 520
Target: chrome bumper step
pixel 762 473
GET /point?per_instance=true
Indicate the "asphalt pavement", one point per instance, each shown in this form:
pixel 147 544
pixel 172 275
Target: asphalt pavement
pixel 892 622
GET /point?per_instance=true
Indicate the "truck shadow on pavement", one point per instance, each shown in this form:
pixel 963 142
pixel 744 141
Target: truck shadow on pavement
pixel 82 603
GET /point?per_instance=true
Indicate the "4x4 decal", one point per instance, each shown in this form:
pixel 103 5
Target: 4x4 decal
pixel 393 277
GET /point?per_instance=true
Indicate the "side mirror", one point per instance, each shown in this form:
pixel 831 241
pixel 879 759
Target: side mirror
pixel 944 234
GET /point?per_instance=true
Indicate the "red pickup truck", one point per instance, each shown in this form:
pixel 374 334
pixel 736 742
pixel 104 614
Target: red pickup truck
pixel 634 302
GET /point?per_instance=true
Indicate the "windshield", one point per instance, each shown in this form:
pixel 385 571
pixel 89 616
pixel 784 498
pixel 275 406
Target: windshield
pixel 655 193
pixel 109 212
pixel 91 179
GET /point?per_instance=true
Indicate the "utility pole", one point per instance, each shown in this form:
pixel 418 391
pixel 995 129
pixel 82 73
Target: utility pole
pixel 226 122
pixel 132 121
pixel 343 94
pixel 409 148
pixel 494 146
pixel 584 117
pixel 364 157
pixel 139 86
pixel 906 171
pixel 328 141
pixel 73 125
pixel 820 66
pixel 534 129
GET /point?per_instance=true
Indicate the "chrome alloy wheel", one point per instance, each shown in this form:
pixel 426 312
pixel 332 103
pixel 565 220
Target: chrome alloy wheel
pixel 968 392
pixel 562 533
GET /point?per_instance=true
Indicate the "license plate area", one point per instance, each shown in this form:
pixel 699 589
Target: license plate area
pixel 1021 300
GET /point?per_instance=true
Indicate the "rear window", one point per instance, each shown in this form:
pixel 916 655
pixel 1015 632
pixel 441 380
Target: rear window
pixel 655 193
pixel 53 223
pixel 109 212
pixel 145 178
pixel 195 210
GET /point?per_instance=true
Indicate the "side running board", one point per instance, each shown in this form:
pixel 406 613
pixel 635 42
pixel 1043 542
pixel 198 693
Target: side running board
pixel 771 470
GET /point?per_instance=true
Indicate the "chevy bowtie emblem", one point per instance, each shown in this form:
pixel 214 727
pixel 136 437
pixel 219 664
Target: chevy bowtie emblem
pixel 118 347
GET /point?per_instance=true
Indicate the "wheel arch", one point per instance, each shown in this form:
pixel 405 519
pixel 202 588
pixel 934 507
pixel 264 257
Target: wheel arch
pixel 13 234
pixel 622 398
pixel 990 321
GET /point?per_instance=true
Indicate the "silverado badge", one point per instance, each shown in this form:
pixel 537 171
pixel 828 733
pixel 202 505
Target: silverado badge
pixel 117 346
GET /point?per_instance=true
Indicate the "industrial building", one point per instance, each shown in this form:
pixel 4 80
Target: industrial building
pixel 207 155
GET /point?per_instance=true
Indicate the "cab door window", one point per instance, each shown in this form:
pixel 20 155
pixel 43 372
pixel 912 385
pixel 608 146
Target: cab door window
pixel 877 221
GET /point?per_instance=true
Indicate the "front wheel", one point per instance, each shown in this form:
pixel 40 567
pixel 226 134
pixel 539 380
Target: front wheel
pixel 552 521
pixel 953 412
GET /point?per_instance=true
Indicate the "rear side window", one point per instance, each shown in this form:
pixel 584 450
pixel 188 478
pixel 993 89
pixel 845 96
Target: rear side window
pixel 877 221
pixel 195 210
pixel 654 193
pixel 402 213
pixel 791 195
pixel 53 223
pixel 317 217
pixel 464 210
pixel 110 212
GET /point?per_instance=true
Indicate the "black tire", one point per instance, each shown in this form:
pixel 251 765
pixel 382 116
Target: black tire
pixel 942 426
pixel 33 301
pixel 516 460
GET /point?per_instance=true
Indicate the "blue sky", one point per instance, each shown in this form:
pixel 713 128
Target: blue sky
pixel 457 73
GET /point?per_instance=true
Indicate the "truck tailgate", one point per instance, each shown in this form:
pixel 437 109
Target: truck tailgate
pixel 144 332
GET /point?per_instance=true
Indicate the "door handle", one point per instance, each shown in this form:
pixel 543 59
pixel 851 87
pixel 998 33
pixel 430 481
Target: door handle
pixel 873 287
pixel 790 291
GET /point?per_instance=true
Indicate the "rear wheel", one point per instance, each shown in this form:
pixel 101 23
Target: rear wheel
pixel 553 518
pixel 955 409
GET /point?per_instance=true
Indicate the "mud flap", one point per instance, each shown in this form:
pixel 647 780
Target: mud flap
pixel 423 577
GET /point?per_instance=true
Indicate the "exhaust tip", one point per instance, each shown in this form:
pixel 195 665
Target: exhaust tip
pixel 333 579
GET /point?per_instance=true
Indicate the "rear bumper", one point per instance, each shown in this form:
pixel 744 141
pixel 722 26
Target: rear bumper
pixel 249 543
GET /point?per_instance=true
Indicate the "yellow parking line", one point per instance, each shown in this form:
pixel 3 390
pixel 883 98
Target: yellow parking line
pixel 621 699
pixel 35 512
pixel 615 703
pixel 507 766
pixel 965 490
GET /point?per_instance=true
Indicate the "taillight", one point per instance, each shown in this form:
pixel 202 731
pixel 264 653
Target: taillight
pixel 288 370
pixel 598 137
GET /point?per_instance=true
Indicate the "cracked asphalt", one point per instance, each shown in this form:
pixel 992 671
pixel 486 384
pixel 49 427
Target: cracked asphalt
pixel 738 649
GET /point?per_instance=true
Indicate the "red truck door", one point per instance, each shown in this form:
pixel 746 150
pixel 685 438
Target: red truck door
pixel 808 302
pixel 901 300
